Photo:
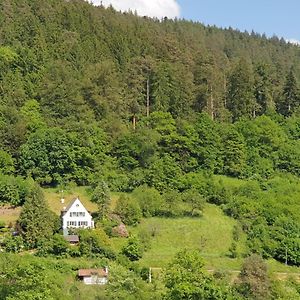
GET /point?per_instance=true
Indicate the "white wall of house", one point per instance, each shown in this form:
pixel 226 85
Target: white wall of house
pixel 95 280
pixel 76 216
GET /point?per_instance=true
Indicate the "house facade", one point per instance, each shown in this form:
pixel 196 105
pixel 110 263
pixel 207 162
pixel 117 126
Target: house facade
pixel 75 215
pixel 93 276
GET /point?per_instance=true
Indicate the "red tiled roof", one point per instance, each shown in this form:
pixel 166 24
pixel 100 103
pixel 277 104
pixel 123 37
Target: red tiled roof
pixel 90 272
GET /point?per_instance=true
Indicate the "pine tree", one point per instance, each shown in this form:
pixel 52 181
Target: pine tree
pixel 290 95
pixel 36 220
pixel 240 94
pixel 102 198
pixel 263 88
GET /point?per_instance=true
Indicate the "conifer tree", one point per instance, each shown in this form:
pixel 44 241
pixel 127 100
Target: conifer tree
pixel 36 220
pixel 263 88
pixel 102 198
pixel 290 95
pixel 240 96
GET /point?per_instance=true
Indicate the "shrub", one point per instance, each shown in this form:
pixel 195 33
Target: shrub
pixel 149 199
pixel 129 210
pixel 134 249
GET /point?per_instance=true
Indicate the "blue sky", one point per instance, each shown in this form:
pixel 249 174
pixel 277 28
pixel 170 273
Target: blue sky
pixel 280 17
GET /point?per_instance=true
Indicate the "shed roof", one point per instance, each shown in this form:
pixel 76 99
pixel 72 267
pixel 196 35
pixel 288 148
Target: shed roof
pixel 73 238
pixel 90 272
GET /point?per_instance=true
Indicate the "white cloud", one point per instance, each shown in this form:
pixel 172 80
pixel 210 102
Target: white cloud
pixel 151 8
pixel 293 41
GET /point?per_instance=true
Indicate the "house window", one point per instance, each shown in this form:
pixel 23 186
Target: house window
pixel 77 214
pixel 71 223
pixel 83 223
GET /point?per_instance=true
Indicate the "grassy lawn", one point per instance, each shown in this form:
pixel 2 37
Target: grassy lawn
pixel 53 197
pixel 9 214
pixel 212 234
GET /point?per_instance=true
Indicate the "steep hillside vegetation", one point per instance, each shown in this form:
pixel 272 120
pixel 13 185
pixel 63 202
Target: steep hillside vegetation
pixel 167 114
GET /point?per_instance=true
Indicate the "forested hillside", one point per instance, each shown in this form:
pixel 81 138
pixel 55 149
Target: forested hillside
pixel 167 109
pixel 75 77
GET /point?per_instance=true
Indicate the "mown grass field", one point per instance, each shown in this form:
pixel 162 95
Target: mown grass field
pixel 211 233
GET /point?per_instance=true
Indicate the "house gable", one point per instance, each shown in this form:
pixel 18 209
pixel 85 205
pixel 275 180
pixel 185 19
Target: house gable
pixel 75 215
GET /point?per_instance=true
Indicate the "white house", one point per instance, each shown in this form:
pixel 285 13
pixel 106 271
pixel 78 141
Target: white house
pixel 93 276
pixel 75 215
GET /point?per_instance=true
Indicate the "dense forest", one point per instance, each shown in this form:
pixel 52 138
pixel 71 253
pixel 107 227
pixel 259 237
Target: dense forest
pixel 94 97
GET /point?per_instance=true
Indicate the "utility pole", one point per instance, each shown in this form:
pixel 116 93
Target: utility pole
pixel 148 99
pixel 150 275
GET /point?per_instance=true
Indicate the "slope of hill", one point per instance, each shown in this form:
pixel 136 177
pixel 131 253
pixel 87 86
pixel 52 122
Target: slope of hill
pixel 183 112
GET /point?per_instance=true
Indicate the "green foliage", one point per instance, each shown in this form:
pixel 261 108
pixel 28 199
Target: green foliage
pixel 234 152
pixel 263 88
pixel 289 101
pixel 7 56
pixel 186 279
pixel 164 173
pixel 233 250
pixel 240 94
pixel 7 163
pixel 207 145
pixel 14 190
pixel 135 149
pixel 285 290
pixel 150 200
pixel 268 214
pixel 2 224
pixel 72 78
pixel 195 201
pixel 32 279
pixel 128 209
pixel 134 249
pixel 173 206
pixel 95 243
pixel 56 246
pixel 13 244
pixel 36 221
pixel 126 285
pixel 31 114
pixel 101 197
pixel 254 281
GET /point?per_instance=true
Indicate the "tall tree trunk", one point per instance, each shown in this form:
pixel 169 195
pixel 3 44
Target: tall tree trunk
pixel 148 99
pixel 212 106
pixel 134 122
